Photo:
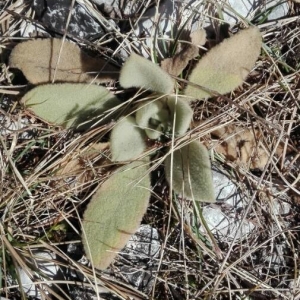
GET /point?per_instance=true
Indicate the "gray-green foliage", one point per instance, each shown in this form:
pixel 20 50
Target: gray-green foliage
pixel 69 104
pixel 226 65
pixel 146 111
pixel 127 140
pixel 116 209
pixel 115 212
pixel 182 112
pixel 141 73
pixel 48 60
pixel 152 116
pixel 191 172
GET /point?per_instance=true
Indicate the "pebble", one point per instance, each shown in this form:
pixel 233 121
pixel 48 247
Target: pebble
pixel 225 226
pixel 237 10
pixel 141 250
pixel 129 8
pixel 53 14
pixel 225 189
pixel 47 266
pixel 144 244
pixel 10 127
pixel 279 207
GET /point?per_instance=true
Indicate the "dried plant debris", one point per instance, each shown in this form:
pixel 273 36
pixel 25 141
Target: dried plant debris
pixel 175 65
pixel 70 104
pixel 78 169
pixel 226 65
pixel 52 60
pixel 243 146
pixel 115 213
pixel 140 72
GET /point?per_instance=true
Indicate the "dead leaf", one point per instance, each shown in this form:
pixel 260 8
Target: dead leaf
pixel 41 61
pixel 241 145
pixel 175 65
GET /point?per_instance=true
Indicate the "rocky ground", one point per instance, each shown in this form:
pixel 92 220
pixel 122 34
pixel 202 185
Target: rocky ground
pixel 244 246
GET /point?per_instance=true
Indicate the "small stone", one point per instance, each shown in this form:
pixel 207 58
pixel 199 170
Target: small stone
pixel 277 258
pixel 72 248
pixel 31 30
pixel 12 126
pixel 241 233
pixel 277 203
pixel 216 221
pixel 142 248
pixel 225 189
pixel 144 244
pixel 54 14
pixel 225 227
pixel 47 267
pixel 280 207
pixel 139 278
pixel 128 8
pixel 234 10
pixel 278 9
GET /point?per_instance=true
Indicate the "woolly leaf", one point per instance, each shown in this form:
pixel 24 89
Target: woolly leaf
pixel 226 65
pixel 176 64
pixel 145 112
pixel 192 175
pixel 142 73
pixel 115 213
pixel 127 140
pixel 154 133
pixel 161 117
pixel 69 104
pixel 158 124
pixel 184 114
pixel 41 61
pixel 150 116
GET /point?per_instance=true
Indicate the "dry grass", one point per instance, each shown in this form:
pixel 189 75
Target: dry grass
pixel 40 210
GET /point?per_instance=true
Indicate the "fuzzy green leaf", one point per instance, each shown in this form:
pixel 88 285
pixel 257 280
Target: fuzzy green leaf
pixel 45 60
pixel 69 104
pixel 115 213
pixel 127 140
pixel 184 114
pixel 145 112
pixel 151 116
pixel 140 72
pixel 192 174
pixel 226 65
pixel 153 134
